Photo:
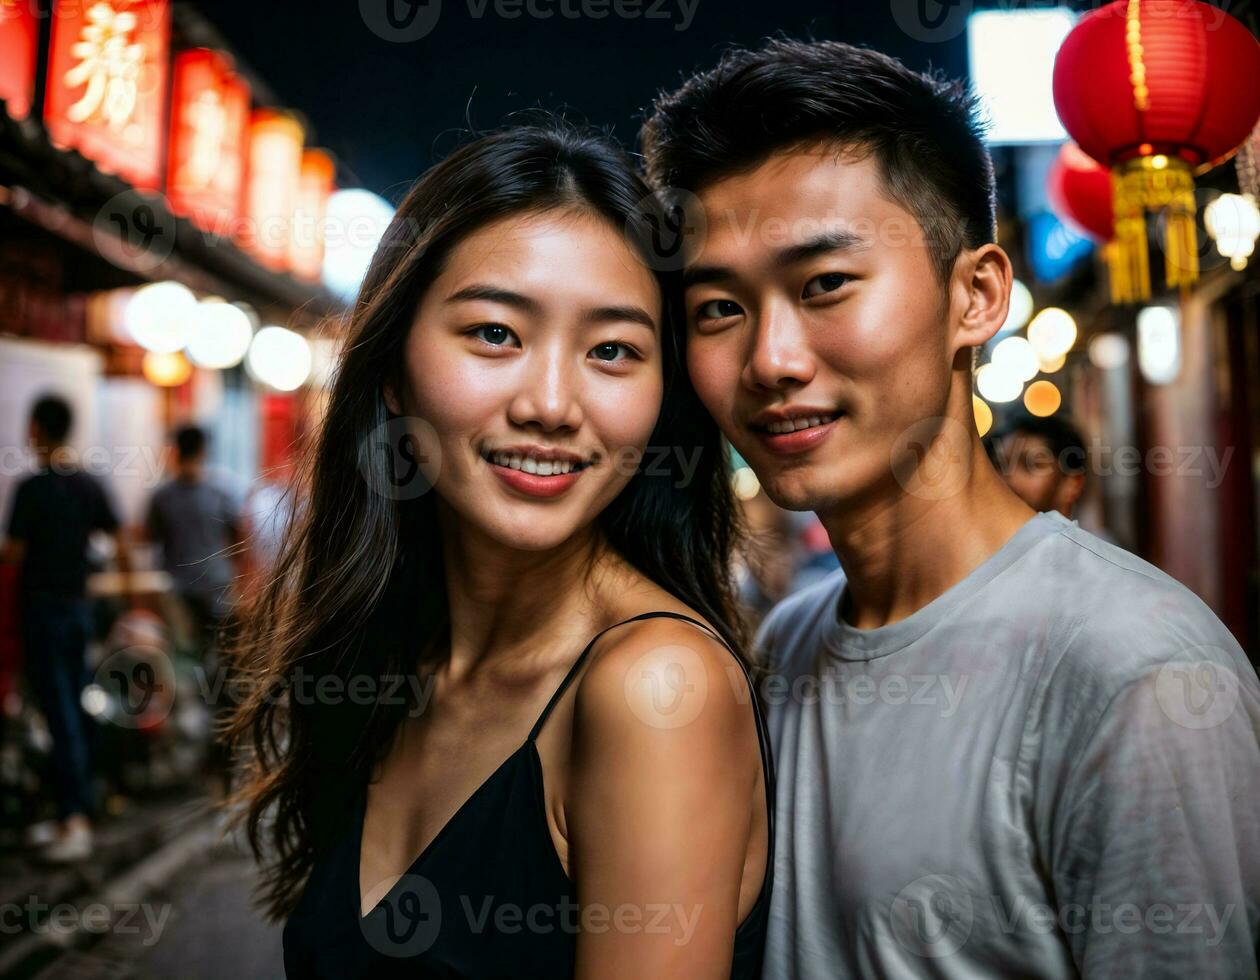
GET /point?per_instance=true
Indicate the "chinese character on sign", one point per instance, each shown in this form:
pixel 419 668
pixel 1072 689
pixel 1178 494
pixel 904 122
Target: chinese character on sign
pixel 109 63
pixel 107 84
pixel 207 146
pixel 209 120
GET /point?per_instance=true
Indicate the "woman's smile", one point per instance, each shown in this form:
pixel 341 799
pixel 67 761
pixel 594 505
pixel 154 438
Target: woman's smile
pixel 536 471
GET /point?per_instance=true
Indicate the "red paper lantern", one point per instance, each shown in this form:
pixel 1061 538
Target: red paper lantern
pixel 1080 192
pixel 1154 89
pixel 1079 188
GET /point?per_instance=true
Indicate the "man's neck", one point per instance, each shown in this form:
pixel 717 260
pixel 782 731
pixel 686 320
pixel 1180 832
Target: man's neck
pixel 901 550
pixel 58 458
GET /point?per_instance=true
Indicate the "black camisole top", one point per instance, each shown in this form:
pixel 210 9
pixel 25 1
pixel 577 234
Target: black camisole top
pixel 488 897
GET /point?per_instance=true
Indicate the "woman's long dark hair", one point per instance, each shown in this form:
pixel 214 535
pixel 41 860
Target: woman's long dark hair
pixel 358 589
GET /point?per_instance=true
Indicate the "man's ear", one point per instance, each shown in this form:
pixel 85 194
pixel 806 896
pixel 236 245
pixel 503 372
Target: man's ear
pixel 986 283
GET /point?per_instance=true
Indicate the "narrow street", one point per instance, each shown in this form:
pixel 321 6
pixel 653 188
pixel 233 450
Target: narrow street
pixel 200 926
pixel 166 894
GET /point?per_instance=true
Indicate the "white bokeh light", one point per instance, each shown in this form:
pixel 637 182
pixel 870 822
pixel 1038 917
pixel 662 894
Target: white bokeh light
pixel 279 358
pixel 1020 308
pixel 1016 355
pixel 220 334
pixel 1159 344
pixel 354 222
pixel 998 384
pixel 1051 333
pixel 159 316
pixel 1233 221
pixel 1108 351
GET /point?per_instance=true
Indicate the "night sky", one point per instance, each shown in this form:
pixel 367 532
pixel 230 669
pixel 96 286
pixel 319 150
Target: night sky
pixel 389 106
pixel 389 109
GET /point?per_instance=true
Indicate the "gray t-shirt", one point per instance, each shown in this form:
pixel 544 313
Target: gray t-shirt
pixel 195 524
pixel 1051 770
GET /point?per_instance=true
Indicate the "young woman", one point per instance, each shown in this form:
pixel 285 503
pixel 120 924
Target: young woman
pixel 499 729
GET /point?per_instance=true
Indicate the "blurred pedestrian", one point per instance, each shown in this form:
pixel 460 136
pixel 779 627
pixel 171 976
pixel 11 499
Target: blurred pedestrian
pixel 1042 460
pixel 200 529
pixel 198 526
pixel 54 513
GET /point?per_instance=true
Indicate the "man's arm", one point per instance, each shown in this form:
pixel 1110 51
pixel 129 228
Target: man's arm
pixel 122 555
pixel 105 518
pixel 1156 862
pixel 14 548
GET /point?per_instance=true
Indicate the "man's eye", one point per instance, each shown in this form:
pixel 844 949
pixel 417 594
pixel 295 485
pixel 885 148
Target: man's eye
pixel 608 351
pixel 718 309
pixel 494 334
pixel 828 282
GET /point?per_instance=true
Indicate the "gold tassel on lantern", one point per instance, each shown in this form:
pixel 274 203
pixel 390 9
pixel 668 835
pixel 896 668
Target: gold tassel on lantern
pixel 1152 183
pixel 1119 275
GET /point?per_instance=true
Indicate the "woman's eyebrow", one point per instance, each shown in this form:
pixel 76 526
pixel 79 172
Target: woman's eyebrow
pixel 600 314
pixel 621 314
pixel 495 294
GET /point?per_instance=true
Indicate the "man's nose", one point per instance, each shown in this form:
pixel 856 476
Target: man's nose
pixel 779 356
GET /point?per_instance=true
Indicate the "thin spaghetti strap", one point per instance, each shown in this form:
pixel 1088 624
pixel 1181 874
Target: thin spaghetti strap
pixel 582 656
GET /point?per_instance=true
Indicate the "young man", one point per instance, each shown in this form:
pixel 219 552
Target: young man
pixel 53 515
pixel 1004 748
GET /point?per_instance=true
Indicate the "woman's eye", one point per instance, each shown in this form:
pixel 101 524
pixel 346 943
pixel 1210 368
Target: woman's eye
pixel 495 334
pixel 608 351
pixel 718 309
pixel 828 282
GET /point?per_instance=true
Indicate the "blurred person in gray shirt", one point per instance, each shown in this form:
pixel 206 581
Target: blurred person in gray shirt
pixel 198 526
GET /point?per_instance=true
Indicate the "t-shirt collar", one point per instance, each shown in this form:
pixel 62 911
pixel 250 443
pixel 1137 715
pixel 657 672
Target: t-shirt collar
pixel 846 642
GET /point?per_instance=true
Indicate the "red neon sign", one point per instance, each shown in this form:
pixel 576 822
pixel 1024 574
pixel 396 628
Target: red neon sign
pixel 107 76
pixel 209 132
pixel 19 34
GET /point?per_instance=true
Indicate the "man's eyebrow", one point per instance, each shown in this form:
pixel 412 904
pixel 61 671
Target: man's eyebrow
pixel 494 294
pixel 820 244
pixel 698 275
pixel 621 314
pixel 824 243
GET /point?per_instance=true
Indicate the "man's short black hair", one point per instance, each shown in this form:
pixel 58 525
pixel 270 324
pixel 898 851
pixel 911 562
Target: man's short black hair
pixel 54 417
pixel 921 129
pixel 190 441
pixel 1061 437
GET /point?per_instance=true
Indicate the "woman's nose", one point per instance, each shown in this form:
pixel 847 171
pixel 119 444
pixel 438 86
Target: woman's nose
pixel 548 396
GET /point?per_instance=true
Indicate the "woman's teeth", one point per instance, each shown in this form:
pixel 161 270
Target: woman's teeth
pixel 792 425
pixel 539 467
